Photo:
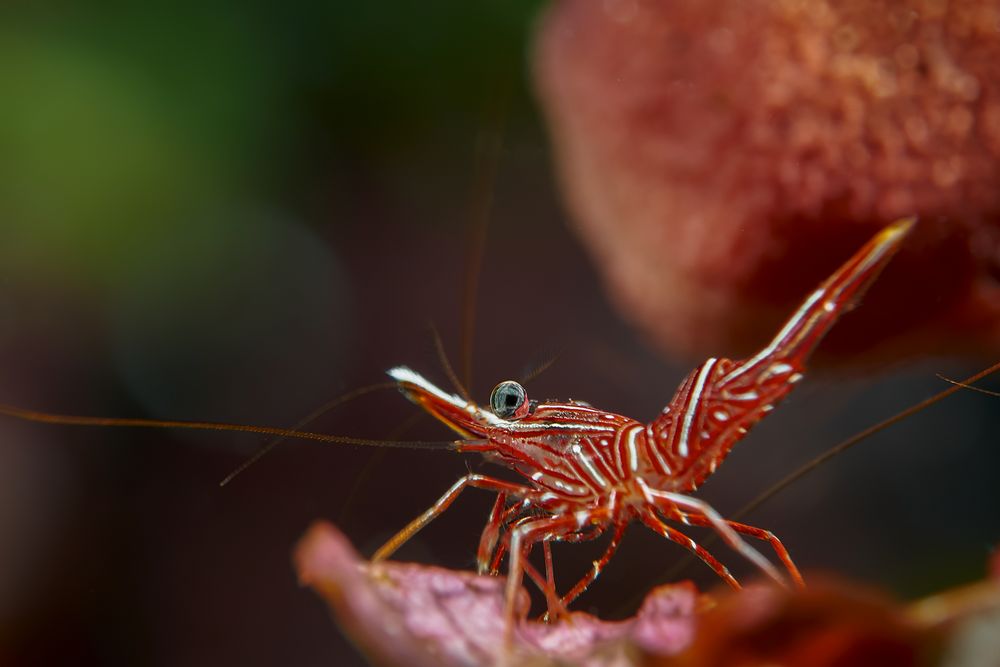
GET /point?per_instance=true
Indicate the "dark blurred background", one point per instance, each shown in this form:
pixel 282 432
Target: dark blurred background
pixel 229 211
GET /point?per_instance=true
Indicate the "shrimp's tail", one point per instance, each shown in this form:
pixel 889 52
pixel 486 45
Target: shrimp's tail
pixel 838 294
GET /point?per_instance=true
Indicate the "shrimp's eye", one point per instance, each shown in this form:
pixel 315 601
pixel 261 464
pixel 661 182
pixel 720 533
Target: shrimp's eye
pixel 509 400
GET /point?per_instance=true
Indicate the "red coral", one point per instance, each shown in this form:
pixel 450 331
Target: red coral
pixel 827 625
pixel 719 158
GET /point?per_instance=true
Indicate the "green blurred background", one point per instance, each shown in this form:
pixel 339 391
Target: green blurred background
pixel 235 211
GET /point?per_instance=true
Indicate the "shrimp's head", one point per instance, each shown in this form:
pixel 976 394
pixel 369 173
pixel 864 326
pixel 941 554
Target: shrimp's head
pixel 510 418
pixel 465 417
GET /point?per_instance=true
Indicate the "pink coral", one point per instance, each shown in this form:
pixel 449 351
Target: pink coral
pixel 413 615
pixel 402 614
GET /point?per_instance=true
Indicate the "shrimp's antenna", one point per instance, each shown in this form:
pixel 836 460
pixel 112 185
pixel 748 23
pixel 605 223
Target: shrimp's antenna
pixel 844 445
pixel 536 370
pixel 490 146
pixel 266 448
pixel 446 364
pixel 372 464
pixel 966 385
pixel 77 420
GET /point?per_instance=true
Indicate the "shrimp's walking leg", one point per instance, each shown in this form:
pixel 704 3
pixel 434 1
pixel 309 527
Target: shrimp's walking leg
pixel 674 535
pixel 491 547
pixel 550 575
pixel 569 538
pixel 554 606
pixel 599 565
pixel 435 510
pixel 546 584
pixel 491 533
pixel 521 541
pixel 668 502
pixel 557 607
pixel 543 582
pixel 760 534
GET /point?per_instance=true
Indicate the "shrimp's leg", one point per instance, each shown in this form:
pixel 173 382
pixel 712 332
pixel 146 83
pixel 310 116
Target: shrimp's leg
pixel 488 540
pixel 760 534
pixel 543 582
pixel 504 544
pixel 491 549
pixel 554 606
pixel 599 566
pixel 521 540
pixel 669 502
pixel 557 607
pixel 443 503
pixel 546 584
pixel 650 519
pixel 540 580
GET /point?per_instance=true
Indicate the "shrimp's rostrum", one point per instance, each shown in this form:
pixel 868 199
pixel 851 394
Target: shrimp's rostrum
pixel 587 470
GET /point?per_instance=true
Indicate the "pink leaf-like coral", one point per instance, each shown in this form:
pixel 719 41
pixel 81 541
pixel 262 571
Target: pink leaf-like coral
pixel 402 614
pixel 415 615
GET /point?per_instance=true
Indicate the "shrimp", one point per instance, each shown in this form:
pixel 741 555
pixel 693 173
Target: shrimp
pixel 588 471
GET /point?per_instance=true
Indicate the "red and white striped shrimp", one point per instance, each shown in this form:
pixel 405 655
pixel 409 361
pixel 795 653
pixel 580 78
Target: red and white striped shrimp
pixel 588 471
